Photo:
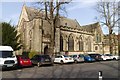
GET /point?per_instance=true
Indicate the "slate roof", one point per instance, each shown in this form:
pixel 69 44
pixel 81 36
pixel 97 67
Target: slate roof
pixel 91 27
pixel 35 13
pixel 69 22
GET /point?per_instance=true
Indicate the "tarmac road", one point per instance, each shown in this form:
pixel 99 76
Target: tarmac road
pixel 81 70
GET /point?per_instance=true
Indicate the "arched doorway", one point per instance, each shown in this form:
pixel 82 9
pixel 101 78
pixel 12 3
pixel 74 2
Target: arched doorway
pixel 46 50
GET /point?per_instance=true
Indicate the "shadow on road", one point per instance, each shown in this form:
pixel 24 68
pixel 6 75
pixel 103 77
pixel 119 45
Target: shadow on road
pixel 111 65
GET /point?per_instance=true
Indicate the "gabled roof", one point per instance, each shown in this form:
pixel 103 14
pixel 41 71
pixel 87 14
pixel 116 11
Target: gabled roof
pixel 69 22
pixel 33 13
pixel 91 27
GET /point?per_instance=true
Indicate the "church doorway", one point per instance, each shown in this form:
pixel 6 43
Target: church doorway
pixel 46 50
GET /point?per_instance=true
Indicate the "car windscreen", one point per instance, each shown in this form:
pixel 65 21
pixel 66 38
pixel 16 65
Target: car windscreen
pixel 86 55
pixel 45 56
pixel 108 54
pixel 74 56
pixel 5 54
pixel 92 55
pixel 81 55
pixel 24 57
pixel 66 56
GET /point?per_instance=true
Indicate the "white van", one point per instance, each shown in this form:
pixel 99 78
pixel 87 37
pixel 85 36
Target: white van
pixel 7 57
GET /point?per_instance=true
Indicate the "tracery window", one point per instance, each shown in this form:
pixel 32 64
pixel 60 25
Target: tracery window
pixel 89 44
pixel 70 43
pixel 61 43
pixel 81 44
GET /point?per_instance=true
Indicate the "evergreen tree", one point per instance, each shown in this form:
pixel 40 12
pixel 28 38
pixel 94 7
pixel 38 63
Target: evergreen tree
pixel 9 36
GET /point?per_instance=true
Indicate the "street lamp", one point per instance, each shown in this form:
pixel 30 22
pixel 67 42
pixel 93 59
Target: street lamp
pixel 103 47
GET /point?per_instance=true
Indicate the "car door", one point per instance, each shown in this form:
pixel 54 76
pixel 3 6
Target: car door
pixel 57 59
pixel 35 59
pixel 81 57
pixel 108 56
pixel 111 56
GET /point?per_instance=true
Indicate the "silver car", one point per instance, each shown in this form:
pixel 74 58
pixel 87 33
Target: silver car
pixel 78 58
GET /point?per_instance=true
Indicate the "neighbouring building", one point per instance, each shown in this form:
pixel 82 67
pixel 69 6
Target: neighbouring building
pixel 70 36
pixel 115 39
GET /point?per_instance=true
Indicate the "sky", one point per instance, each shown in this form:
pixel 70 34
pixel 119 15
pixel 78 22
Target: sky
pixel 83 11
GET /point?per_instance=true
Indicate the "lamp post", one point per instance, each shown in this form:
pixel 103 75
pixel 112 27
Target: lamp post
pixel 103 47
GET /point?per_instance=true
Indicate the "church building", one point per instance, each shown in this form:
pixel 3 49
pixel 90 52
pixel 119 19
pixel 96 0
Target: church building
pixel 70 36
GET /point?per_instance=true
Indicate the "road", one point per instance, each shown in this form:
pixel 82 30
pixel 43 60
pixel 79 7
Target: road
pixel 80 70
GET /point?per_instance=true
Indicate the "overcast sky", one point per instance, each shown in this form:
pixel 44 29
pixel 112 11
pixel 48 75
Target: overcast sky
pixel 83 11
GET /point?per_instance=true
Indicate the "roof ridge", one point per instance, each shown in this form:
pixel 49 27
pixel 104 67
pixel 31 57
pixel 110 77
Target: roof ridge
pixel 91 24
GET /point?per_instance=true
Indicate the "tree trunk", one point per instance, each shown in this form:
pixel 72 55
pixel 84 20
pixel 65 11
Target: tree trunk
pixel 52 28
pixel 110 41
pixel 52 39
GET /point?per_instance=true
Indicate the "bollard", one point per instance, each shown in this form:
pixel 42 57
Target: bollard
pixel 100 75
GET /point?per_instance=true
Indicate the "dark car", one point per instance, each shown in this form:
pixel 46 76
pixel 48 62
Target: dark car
pixel 23 61
pixel 41 60
pixel 96 56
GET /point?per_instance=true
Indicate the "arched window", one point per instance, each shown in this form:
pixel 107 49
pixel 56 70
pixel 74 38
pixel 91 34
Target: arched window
pixel 96 48
pixel 61 43
pixel 81 44
pixel 70 43
pixel 98 38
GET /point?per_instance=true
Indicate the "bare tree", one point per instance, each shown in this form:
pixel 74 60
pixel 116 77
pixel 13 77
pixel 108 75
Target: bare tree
pixel 108 16
pixel 52 13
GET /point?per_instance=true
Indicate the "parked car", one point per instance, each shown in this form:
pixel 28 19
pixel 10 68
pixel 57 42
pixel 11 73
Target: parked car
pixel 78 58
pixel 41 60
pixel 96 56
pixel 106 57
pixel 110 57
pixel 87 58
pixel 7 57
pixel 63 59
pixel 116 57
pixel 23 61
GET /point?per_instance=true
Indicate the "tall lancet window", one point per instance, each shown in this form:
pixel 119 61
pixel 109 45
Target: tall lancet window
pixel 81 44
pixel 70 43
pixel 61 43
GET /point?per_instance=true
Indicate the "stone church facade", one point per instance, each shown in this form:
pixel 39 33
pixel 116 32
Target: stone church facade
pixel 70 36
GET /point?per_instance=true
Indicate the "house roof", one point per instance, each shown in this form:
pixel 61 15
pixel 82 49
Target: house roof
pixel 69 22
pixel 72 23
pixel 33 13
pixel 91 27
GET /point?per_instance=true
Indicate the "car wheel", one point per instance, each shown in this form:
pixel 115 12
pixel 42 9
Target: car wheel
pixel 61 62
pixel 114 58
pixel 38 64
pixel 75 61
